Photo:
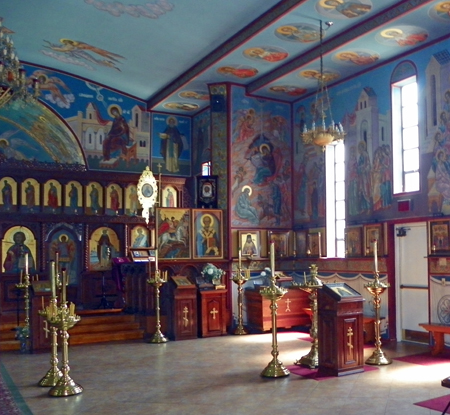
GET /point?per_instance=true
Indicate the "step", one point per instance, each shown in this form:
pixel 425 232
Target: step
pixel 99 328
pixel 105 337
pixel 9 345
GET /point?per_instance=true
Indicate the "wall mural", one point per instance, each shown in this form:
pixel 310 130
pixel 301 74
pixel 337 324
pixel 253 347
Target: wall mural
pixel 171 145
pixel 260 167
pixel 90 125
pixel 202 137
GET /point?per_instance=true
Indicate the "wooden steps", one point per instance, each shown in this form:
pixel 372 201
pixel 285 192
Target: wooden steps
pixel 95 326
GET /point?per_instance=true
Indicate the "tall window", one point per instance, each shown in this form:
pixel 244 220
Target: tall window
pixel 335 199
pixel 206 168
pixel 405 135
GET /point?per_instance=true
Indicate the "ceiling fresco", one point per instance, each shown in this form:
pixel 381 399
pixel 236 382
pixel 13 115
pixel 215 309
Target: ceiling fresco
pixel 167 52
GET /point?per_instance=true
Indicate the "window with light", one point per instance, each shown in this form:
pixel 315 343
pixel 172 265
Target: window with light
pixel 405 135
pixel 335 199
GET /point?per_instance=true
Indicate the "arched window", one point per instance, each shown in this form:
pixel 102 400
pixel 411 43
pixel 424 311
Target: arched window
pixel 405 129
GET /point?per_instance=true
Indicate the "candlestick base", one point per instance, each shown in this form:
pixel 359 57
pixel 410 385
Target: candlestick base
pixel 65 387
pixel 275 369
pixel 311 359
pixel 378 358
pixel 158 337
pixel 51 377
pixel 240 330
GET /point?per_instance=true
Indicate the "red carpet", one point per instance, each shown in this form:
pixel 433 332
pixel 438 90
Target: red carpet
pixel 426 359
pixel 313 373
pixel 436 404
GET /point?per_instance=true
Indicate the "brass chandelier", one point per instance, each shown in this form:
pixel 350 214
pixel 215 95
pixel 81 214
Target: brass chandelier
pixel 320 134
pixel 13 81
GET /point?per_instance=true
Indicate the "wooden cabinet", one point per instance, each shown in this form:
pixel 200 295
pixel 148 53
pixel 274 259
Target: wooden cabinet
pixel 291 310
pixel 340 331
pixel 213 313
pixel 183 309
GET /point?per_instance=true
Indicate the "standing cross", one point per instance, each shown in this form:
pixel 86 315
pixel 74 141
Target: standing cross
pixel 288 301
pixel 185 314
pixel 350 340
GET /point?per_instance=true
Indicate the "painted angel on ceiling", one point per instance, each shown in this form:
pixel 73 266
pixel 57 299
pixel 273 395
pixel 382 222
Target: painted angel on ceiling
pixel 68 50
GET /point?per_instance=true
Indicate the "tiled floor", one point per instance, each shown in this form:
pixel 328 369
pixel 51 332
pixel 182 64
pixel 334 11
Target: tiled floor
pixel 221 375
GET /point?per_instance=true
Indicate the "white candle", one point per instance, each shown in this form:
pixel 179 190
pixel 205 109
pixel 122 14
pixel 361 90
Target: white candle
pixel 156 259
pixel 320 245
pixel 21 276
pixel 63 289
pixel 26 263
pixel 240 258
pixel 57 261
pixel 53 278
pixel 375 254
pixel 43 306
pixel 304 276
pixel 272 257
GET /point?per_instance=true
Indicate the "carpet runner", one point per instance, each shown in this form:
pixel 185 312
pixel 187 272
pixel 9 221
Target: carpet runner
pixel 425 359
pixel 11 401
pixel 436 404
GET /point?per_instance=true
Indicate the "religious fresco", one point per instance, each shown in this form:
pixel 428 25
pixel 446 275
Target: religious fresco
pixel 16 241
pixel 27 139
pixel 171 150
pixel 260 168
pixel 343 9
pixel 201 136
pixel 91 127
pixel 103 246
pixel 363 108
pixel 8 194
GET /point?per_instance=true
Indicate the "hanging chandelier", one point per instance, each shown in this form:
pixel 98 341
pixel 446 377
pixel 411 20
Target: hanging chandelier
pixel 13 81
pixel 320 134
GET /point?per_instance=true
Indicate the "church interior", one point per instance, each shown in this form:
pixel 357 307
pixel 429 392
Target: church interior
pixel 240 203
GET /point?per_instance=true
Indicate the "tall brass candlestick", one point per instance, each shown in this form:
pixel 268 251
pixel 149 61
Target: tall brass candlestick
pixel 376 288
pixel 64 319
pixel 274 293
pixel 240 278
pixel 312 358
pixel 23 333
pixel 53 374
pixel 157 281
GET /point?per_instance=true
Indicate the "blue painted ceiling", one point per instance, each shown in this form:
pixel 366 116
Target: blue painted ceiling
pixel 166 52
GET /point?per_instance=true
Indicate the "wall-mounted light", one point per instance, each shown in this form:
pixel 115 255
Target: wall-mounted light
pixel 402 231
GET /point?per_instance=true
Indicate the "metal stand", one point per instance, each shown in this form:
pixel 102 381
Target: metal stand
pixel 104 303
pixel 240 278
pixel 23 333
pixel 157 281
pixel 376 288
pixel 312 358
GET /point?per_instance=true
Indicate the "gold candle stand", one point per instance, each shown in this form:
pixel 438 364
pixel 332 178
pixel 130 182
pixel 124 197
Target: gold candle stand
pixel 312 358
pixel 157 281
pixel 23 333
pixel 376 288
pixel 274 293
pixel 54 374
pixel 63 318
pixel 240 278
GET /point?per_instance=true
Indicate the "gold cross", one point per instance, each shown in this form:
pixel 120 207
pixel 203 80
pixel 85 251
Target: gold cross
pixel 214 312
pixel 185 314
pixel 288 301
pixel 45 328
pixel 350 338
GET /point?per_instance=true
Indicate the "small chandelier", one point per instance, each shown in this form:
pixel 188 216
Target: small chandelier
pixel 13 82
pixel 320 134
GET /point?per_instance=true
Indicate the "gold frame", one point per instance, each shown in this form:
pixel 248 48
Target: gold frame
pixel 353 241
pixel 217 223
pixel 281 242
pixel 439 237
pixel 370 232
pixel 147 191
pixel 256 238
pixel 316 243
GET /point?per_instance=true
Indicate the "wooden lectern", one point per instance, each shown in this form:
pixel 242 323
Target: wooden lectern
pixel 341 330
pixel 183 310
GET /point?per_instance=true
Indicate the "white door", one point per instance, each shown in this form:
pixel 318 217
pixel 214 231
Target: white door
pixel 411 280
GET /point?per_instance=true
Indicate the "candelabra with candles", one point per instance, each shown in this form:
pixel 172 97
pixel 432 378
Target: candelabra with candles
pixel 63 318
pixel 240 278
pixel 274 293
pixel 53 374
pixel 312 358
pixel 157 280
pixel 376 288
pixel 23 333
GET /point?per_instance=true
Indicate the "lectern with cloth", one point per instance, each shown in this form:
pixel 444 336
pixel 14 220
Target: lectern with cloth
pixel 341 340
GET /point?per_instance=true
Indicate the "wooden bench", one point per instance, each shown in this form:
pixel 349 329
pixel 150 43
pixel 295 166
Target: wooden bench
pixel 438 331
